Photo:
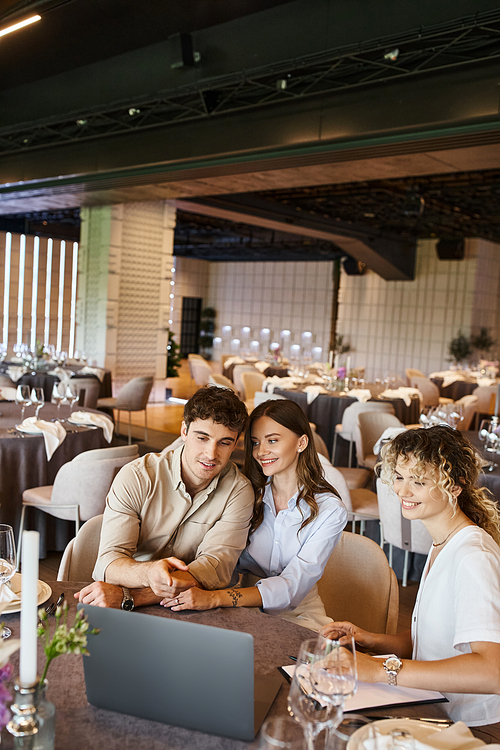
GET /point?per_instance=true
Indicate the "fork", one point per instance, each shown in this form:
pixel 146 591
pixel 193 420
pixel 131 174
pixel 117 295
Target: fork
pixel 51 608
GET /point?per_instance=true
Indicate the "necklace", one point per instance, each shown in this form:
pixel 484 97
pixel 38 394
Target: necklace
pixel 440 544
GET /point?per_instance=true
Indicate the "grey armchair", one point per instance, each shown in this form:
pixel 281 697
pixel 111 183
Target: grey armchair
pixel 132 397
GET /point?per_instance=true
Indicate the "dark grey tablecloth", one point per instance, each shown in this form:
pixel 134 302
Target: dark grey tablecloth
pixel 43 380
pixel 80 726
pixel 455 390
pixel 23 464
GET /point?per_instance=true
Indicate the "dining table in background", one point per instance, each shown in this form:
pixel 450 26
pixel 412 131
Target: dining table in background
pixel 23 465
pixel 43 379
pixel 455 390
pixel 80 726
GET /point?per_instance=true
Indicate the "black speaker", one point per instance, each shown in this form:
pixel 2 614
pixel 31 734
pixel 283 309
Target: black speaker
pixel 182 48
pixel 451 249
pixel 353 267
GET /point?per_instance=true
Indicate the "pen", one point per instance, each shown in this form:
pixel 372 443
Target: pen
pixel 293 658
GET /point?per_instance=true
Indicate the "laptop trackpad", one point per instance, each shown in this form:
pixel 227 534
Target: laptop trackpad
pixel 265 691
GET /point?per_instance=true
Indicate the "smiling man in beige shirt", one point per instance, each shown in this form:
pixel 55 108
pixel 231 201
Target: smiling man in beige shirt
pixel 179 518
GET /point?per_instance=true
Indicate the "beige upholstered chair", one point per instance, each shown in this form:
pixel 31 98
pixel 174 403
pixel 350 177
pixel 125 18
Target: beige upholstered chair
pixel 410 373
pixel 347 429
pixel 191 358
pixel 361 503
pixel 132 397
pixel 79 557
pixel 251 383
pixel 80 487
pixel 320 446
pixel 220 380
pixel 201 372
pixel 485 403
pixel 392 533
pixel 87 390
pixel 238 383
pixel 429 391
pixel 468 404
pixel 261 396
pixel 369 427
pixel 359 586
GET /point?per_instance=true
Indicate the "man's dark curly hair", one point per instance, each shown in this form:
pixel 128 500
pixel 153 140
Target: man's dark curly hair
pixel 221 405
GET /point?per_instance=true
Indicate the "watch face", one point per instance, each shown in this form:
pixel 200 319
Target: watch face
pixel 392 663
pixel 128 605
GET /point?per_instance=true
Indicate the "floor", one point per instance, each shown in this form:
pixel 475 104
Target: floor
pixel 164 424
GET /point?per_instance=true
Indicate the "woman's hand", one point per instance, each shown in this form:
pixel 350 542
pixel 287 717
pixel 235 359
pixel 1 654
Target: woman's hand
pixel 194 598
pixel 342 631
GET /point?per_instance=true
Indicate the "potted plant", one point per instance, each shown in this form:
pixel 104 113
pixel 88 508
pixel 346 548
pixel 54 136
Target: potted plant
pixel 459 348
pixel 173 361
pixel 207 328
pixel 482 342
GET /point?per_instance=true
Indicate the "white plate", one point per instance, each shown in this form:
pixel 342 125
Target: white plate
pixel 420 730
pixel 29 430
pixel 82 423
pixel 44 593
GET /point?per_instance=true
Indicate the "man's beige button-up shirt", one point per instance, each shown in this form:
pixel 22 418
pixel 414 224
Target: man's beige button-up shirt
pixel 150 515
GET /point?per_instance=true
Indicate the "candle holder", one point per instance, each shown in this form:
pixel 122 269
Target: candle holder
pixel 33 723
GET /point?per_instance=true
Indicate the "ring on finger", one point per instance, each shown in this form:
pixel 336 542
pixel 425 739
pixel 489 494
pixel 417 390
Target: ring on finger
pixel 177 602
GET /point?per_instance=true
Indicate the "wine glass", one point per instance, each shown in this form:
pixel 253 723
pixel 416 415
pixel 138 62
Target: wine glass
pixel 308 708
pixel 37 399
pixel 58 396
pixel 7 562
pixel 23 398
pixel 281 732
pixel 72 395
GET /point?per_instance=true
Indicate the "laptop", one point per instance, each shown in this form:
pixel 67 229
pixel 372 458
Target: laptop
pixel 194 676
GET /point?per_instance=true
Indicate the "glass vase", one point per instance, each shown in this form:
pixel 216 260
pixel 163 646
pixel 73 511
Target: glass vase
pixel 33 718
pixel 46 717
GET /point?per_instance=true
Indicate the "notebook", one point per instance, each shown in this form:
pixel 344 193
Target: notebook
pixel 193 676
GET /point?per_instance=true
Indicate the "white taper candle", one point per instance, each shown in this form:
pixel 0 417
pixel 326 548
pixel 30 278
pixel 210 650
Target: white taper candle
pixel 29 608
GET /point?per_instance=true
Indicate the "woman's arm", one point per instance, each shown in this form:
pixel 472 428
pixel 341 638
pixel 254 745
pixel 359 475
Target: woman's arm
pixel 197 598
pixel 378 643
pixel 477 672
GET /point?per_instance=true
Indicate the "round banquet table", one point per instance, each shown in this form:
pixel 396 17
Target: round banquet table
pixel 23 464
pixel 80 726
pixel 455 390
pixel 269 372
pixel 327 409
pixel 42 379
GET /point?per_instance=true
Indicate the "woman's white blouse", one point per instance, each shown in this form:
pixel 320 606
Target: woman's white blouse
pixel 292 561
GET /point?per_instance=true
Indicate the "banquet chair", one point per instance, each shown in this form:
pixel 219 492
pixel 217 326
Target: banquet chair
pixel 411 372
pixel 238 383
pixel 429 391
pixel 251 383
pixel 369 427
pixel 261 396
pixel 80 487
pixel 201 372
pixel 349 418
pixel 132 397
pixel 192 357
pixel 419 540
pixel 79 557
pixel 361 504
pixel 88 390
pixel 468 405
pixel 320 446
pixel 485 403
pixel 220 380
pixel 357 564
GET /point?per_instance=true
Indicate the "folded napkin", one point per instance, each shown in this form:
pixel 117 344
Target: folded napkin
pixel 15 373
pixel 7 596
pixel 261 366
pixel 8 394
pixel 53 433
pixel 99 420
pixel 97 371
pixel 407 393
pixel 313 392
pixel 270 384
pixel 450 379
pixel 61 373
pixel 231 361
pixel 362 394
pixel 485 381
pixel 388 434
pixel 456 737
pixel 17 360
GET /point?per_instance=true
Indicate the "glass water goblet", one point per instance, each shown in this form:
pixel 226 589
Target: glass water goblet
pixel 7 562
pixel 23 398
pixel 281 733
pixel 72 395
pixel 305 705
pixel 37 399
pixel 58 394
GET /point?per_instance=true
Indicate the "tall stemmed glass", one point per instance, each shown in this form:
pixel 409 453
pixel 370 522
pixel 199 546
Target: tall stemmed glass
pixel 281 733
pixel 23 398
pixel 7 562
pixel 58 394
pixel 37 399
pixel 72 395
pixel 305 705
pixel 334 676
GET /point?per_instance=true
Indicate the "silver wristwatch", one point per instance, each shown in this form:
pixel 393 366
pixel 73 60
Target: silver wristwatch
pixel 392 666
pixel 128 603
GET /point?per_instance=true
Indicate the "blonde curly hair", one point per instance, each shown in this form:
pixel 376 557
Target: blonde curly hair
pixel 453 461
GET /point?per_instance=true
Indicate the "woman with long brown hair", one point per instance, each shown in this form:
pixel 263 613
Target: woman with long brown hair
pixel 454 642
pixel 298 519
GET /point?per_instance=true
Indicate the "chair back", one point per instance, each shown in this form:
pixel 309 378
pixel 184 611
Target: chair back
pixel 411 372
pixel 359 586
pixel 428 389
pixel 370 426
pixel 251 382
pixel 86 482
pixel 350 415
pixel 201 372
pixel 79 557
pixel 134 394
pixel 260 396
pixel 89 388
pixel 238 383
pixel 220 380
pixel 390 517
pixel 334 477
pixel 468 405
pixel 485 395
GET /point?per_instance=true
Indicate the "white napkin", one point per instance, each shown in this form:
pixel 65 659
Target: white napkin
pixel 485 381
pixel 7 596
pixel 97 371
pixel 100 420
pixel 456 737
pixel 53 433
pixel 313 392
pixel 270 384
pixel 8 394
pixel 450 379
pixel 261 366
pixel 15 373
pixel 62 374
pixel 388 434
pixel 231 361
pixel 403 393
pixel 362 394
pixel 407 393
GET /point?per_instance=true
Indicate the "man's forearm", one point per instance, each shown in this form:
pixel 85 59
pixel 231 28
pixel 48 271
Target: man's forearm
pixel 136 575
